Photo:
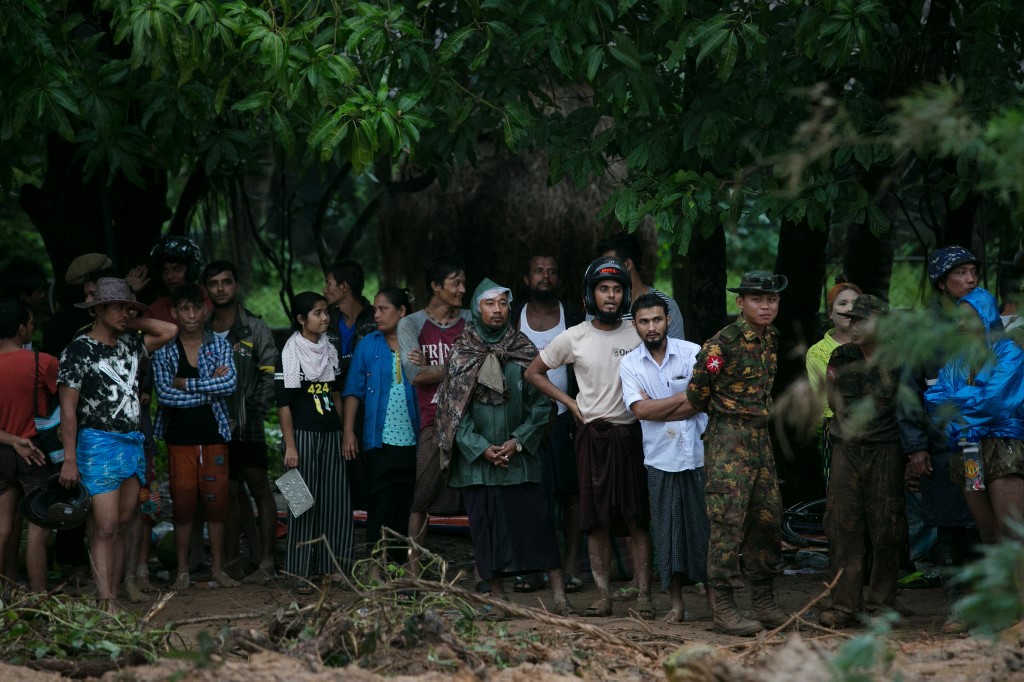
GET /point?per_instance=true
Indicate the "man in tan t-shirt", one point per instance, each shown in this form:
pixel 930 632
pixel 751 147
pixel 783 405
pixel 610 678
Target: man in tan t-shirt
pixel 609 443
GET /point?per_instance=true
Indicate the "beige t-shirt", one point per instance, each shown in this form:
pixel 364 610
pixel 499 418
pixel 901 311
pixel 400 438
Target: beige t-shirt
pixel 595 355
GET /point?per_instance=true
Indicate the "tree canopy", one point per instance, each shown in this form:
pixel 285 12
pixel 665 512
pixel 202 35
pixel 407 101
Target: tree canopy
pixel 811 113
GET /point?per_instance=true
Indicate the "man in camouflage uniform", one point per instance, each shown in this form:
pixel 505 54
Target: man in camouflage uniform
pixel 732 381
pixel 865 499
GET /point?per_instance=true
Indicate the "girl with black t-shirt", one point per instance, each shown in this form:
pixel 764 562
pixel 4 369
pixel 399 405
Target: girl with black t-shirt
pixel 309 407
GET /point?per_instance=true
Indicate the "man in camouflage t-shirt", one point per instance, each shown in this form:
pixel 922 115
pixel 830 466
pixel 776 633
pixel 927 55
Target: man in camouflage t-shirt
pixel 732 381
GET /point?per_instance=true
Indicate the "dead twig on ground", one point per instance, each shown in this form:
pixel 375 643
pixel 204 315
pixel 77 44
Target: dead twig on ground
pixel 158 606
pixel 746 649
pixel 174 624
pixel 527 613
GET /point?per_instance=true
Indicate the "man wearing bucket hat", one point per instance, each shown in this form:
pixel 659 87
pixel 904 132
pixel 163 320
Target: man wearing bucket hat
pixel 100 419
pixel 953 273
pixel 732 381
pixel 866 500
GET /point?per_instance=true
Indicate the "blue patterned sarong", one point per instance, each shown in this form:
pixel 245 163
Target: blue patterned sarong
pixel 107 458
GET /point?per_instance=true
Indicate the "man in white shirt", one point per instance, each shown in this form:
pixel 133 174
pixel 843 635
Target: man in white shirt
pixel 654 378
pixel 609 447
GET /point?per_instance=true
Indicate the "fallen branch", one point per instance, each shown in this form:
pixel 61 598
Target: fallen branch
pixel 522 612
pixel 174 624
pixel 158 606
pixel 745 649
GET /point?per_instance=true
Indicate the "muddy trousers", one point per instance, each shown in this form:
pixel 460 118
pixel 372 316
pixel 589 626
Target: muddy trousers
pixel 866 501
pixel 743 503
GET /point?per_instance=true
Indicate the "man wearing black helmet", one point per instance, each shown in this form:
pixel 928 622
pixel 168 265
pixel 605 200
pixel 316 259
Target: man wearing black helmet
pixel 732 381
pixel 609 443
pixel 953 273
pixel 178 260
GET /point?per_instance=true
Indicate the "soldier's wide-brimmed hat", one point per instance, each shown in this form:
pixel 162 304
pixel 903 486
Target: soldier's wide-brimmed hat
pixel 865 306
pixel 761 281
pixel 112 290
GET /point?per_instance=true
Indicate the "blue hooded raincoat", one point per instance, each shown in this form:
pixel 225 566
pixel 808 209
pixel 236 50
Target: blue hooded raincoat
pixel 992 406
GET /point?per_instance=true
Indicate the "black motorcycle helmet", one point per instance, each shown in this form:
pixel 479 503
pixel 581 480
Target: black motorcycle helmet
pixel 57 507
pixel 178 250
pixel 599 270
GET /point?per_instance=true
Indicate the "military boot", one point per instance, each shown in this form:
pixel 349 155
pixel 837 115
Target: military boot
pixel 726 616
pixel 765 608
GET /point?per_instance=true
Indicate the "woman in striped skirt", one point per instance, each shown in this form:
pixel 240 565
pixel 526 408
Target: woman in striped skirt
pixel 309 406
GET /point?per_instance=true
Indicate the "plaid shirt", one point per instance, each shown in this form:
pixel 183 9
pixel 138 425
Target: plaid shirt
pixel 206 390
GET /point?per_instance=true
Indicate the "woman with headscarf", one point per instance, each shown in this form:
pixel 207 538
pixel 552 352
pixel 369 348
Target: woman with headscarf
pixel 497 420
pixel 838 302
pixel 980 396
pixel 309 406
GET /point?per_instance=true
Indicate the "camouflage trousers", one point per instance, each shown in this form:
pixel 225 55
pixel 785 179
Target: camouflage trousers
pixel 866 502
pixel 743 503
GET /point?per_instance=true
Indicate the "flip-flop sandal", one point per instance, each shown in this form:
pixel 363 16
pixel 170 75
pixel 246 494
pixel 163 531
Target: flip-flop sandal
pixel 528 583
pixel 565 609
pixel 572 583
pixel 600 608
pixel 628 593
pixel 644 608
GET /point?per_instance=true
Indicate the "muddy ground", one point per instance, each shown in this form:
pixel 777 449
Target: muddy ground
pixel 513 647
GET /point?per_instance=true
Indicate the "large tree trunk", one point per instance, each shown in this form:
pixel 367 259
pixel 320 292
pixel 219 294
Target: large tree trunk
pixel 76 216
pixel 698 285
pixel 801 258
pixel 868 260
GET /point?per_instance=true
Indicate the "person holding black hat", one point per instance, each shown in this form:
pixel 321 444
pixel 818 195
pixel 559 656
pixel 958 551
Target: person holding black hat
pixel 100 419
pixel 732 381
pixel 866 500
pixel 30 379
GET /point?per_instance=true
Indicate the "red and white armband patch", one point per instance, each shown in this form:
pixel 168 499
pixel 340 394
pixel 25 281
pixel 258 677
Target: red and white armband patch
pixel 714 364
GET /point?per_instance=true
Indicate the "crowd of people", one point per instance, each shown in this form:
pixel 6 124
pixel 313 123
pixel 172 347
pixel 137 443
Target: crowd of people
pixel 545 422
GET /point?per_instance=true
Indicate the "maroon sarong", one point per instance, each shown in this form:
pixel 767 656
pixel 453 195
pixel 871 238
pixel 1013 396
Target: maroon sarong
pixel 613 479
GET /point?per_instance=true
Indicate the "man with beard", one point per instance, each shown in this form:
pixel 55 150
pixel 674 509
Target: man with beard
pixel 626 247
pixel 424 340
pixel 732 381
pixel 609 445
pixel 541 319
pixel 654 379
pixel 254 354
pixel 497 421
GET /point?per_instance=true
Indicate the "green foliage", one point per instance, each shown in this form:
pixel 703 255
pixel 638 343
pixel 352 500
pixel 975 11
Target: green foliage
pixel 710 116
pixel 866 657
pixel 35 626
pixel 996 581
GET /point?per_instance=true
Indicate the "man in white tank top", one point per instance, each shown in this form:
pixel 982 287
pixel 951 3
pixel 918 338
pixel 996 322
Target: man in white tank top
pixel 541 319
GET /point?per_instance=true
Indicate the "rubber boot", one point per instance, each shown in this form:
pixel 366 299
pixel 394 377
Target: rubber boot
pixel 765 608
pixel 726 616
